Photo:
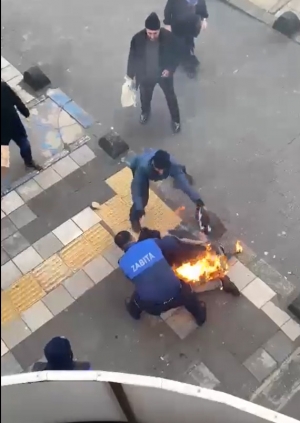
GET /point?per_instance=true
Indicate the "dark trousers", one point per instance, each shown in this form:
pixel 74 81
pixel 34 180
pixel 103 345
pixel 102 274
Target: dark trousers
pixel 25 148
pixel 189 60
pixel 167 85
pixel 185 298
pixel 134 219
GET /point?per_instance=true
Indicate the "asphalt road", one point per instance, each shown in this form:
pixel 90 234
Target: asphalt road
pixel 240 119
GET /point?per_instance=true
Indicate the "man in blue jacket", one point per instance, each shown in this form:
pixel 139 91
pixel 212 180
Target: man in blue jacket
pixel 157 165
pixel 157 288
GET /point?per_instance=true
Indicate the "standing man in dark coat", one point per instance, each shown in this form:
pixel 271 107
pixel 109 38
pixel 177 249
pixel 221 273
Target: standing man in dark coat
pixel 186 18
pixel 153 59
pixel 11 126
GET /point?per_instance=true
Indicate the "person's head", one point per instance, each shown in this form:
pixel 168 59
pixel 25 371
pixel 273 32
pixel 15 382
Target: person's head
pixel 161 161
pixel 147 233
pixel 123 239
pixel 152 25
pixel 59 354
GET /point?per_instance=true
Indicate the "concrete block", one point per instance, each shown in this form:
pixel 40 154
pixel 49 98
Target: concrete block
pixel 113 144
pixel 288 24
pixel 36 316
pixel 291 329
pixel 27 260
pixel 260 364
pixel 258 293
pixel 275 313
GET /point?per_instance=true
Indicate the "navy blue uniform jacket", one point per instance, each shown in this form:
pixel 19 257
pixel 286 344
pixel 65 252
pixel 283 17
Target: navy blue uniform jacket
pixel 154 280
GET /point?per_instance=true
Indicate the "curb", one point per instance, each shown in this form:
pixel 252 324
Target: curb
pixel 255 12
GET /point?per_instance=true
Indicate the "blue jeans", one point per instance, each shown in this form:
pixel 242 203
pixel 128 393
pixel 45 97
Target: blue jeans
pixel 25 149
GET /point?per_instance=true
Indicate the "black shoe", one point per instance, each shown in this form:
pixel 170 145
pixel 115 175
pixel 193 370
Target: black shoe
pixel 230 287
pixel 144 118
pixel 136 226
pixel 201 318
pixel 176 127
pixel 34 165
pixel 135 314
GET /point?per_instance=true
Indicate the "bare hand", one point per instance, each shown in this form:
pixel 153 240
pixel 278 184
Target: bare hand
pixel 165 73
pixel 204 24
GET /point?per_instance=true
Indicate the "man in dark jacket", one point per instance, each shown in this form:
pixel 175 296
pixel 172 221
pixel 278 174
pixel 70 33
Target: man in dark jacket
pixel 156 165
pixel 186 18
pixel 157 288
pixel 153 59
pixel 11 126
pixel 59 356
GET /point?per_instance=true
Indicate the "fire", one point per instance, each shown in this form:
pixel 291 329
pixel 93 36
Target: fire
pixel 208 266
pixel 238 247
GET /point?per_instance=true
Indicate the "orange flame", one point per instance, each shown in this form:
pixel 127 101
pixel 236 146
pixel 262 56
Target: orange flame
pixel 179 209
pixel 238 247
pixel 208 266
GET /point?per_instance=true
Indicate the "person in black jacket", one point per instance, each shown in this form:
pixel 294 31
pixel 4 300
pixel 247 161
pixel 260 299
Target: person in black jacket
pixel 11 126
pixel 186 18
pixel 59 355
pixel 153 59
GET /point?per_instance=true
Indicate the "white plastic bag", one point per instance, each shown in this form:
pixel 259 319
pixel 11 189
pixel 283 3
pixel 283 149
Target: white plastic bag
pixel 128 96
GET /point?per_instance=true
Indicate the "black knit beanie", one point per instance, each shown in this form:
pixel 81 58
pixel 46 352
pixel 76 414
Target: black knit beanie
pixel 152 22
pixel 161 160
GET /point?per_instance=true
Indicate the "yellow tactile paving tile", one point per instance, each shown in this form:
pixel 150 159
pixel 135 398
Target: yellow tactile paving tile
pixel 99 238
pixel 8 311
pixel 78 253
pixel 115 213
pixel 120 182
pixel 51 273
pixel 25 292
pixel 159 216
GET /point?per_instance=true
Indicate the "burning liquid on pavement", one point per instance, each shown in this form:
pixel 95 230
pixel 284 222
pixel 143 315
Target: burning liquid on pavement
pixel 207 267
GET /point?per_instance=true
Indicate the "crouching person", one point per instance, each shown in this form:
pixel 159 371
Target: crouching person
pixel 157 288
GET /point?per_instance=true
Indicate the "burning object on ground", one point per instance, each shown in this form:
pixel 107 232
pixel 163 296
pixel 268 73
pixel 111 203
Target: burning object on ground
pixel 210 265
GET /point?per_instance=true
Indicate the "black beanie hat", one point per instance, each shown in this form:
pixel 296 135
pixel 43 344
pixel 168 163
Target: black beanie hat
pixel 161 160
pixel 58 353
pixel 152 22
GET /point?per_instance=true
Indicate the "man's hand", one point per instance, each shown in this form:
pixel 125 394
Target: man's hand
pixel 165 74
pixel 204 24
pixel 202 217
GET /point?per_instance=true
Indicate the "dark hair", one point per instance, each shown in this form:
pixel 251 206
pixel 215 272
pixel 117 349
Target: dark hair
pixel 59 354
pixel 161 160
pixel 147 233
pixel 122 239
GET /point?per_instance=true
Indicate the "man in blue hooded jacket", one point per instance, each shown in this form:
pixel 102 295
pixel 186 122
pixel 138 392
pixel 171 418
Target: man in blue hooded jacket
pixel 157 165
pixel 157 288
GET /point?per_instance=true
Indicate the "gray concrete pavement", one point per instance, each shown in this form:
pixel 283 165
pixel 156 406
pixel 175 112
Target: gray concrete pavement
pixel 241 130
pixel 240 140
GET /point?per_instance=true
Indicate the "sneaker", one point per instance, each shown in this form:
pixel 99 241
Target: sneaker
pixel 144 118
pixel 34 165
pixel 176 127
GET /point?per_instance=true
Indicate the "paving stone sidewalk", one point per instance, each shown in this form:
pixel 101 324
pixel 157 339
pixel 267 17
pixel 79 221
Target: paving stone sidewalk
pixel 59 276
